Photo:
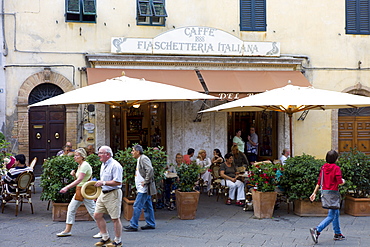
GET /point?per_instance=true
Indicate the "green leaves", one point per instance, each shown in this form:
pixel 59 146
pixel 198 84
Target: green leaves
pixel 264 176
pixel 300 176
pixel 56 175
pixel 158 158
pixel 188 175
pixel 355 166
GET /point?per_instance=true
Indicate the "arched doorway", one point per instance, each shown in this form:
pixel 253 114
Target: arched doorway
pixel 21 128
pixel 46 124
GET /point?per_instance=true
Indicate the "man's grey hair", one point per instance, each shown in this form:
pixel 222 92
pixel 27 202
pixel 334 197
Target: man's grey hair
pixel 107 149
pixel 139 148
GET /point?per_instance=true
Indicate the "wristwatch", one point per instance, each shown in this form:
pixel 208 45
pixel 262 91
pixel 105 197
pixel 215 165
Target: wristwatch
pixel 103 182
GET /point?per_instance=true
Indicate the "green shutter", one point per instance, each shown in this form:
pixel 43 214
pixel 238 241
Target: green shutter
pixel 158 8
pixel 73 6
pixel 89 7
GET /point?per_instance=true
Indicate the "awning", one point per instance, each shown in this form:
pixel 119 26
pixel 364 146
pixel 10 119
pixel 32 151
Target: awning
pixel 181 78
pixel 221 81
pixel 218 82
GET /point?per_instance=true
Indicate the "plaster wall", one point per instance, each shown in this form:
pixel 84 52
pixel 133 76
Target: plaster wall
pixel 38 36
pixel 184 133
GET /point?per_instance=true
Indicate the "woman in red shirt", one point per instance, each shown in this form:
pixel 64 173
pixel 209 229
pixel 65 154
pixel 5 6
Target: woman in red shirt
pixel 332 177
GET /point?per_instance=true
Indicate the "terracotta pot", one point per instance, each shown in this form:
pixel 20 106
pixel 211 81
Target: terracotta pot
pixel 263 204
pixel 308 208
pixel 187 204
pixel 357 206
pixel 59 212
pixel 128 209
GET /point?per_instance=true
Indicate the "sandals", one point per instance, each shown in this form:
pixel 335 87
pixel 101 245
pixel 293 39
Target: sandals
pixel 228 202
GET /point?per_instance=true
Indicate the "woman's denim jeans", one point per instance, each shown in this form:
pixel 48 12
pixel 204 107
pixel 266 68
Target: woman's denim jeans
pixel 333 216
pixel 143 200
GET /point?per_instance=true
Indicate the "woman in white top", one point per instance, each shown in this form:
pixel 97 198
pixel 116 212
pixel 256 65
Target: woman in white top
pixel 205 163
pixel 237 140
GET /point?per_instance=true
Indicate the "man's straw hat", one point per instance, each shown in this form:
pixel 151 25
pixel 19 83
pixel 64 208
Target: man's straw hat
pixel 89 191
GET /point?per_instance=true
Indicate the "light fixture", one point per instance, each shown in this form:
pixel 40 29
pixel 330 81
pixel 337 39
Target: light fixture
pixel 136 105
pixel 155 106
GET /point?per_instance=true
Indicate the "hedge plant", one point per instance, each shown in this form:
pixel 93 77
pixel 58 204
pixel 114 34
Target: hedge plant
pixel 300 176
pixel 158 158
pixel 188 175
pixel 56 175
pixel 355 166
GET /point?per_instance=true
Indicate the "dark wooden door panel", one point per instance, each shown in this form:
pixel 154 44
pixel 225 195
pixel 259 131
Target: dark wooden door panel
pixel 354 131
pixel 47 133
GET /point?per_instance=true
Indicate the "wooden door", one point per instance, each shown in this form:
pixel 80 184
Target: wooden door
pixel 46 132
pixel 354 131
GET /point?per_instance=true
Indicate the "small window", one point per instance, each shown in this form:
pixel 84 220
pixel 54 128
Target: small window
pixel 151 12
pixel 358 17
pixel 252 15
pixel 81 10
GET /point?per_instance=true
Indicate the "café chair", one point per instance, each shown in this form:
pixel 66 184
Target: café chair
pixel 32 165
pixel 221 189
pixel 22 191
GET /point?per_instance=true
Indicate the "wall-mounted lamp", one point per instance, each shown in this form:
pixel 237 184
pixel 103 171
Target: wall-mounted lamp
pixel 136 105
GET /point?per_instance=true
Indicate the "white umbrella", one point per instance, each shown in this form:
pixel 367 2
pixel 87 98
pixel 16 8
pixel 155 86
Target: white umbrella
pixel 291 99
pixel 122 91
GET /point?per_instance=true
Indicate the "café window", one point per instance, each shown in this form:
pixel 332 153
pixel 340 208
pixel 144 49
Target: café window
pixel 81 11
pixel 151 12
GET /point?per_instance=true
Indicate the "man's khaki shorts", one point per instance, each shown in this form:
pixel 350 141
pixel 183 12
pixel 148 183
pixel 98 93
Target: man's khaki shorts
pixel 110 203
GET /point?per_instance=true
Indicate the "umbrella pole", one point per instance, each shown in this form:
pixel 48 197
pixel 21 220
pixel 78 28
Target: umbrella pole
pixel 124 127
pixel 290 134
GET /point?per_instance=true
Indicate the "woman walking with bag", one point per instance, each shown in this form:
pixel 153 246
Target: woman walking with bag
pixel 329 179
pixel 82 175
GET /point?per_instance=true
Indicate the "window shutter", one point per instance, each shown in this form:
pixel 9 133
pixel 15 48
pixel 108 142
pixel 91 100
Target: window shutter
pixel 144 8
pixel 364 27
pixel 73 6
pixel 260 15
pixel 158 8
pixel 357 16
pixel 253 15
pixel 89 7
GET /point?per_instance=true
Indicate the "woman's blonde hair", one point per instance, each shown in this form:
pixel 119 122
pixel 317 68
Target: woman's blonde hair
pixel 200 152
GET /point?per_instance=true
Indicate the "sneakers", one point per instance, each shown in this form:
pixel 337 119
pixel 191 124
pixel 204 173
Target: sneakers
pixel 104 242
pixel 98 235
pixel 114 244
pixel 315 235
pixel 64 234
pixel 339 237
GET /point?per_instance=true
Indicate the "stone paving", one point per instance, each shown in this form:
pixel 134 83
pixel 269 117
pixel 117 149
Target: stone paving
pixel 216 224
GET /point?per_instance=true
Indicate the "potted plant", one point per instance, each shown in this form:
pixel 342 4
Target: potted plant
pixel 187 197
pixel 355 166
pixel 263 175
pixel 56 174
pixel 4 156
pixel 158 158
pixel 298 182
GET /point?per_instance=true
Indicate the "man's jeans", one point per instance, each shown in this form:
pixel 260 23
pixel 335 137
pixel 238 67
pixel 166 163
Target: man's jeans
pixel 143 200
pixel 333 216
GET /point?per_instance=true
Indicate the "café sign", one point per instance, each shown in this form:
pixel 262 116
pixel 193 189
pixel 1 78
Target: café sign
pixel 194 41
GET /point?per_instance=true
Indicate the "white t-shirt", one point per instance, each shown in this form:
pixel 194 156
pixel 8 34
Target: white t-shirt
pixel 138 179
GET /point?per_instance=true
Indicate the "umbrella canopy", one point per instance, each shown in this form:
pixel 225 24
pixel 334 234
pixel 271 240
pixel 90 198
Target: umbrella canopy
pixel 291 99
pixel 122 91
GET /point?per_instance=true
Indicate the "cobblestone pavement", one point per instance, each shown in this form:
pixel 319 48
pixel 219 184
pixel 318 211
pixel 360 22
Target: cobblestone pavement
pixel 216 224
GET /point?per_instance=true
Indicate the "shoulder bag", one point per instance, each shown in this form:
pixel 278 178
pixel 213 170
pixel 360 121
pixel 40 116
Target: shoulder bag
pixel 330 199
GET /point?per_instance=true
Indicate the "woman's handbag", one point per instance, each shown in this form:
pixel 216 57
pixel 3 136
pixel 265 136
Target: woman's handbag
pixel 78 195
pixel 330 199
